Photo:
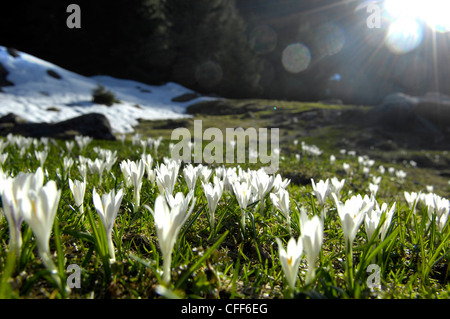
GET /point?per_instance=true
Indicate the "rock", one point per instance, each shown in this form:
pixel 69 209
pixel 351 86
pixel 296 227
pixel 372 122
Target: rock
pixel 53 74
pixel 436 109
pixel 13 52
pixel 429 114
pixel 396 113
pixel 94 125
pixel 414 122
pixel 3 74
pixel 53 109
pixel 12 118
pixel 186 97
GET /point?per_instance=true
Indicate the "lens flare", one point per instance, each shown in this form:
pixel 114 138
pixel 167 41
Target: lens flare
pixel 434 13
pixel 404 35
pixel 403 8
pixel 296 57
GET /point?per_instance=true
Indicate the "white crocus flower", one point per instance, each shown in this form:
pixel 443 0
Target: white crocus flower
pixel 412 199
pixel 243 193
pixel 42 206
pixel 213 193
pixel 280 201
pixel 137 171
pixel 401 175
pixel 263 185
pixel 14 192
pixel 126 172
pixel 78 189
pixel 109 158
pixel 82 168
pixel 346 168
pixel 41 156
pixel 166 176
pixel 168 223
pixel 107 208
pixel 69 146
pixel 441 209
pixel 180 199
pixel 372 220
pixel 332 159
pixel 352 215
pixel 312 237
pixel 336 186
pixel 148 162
pixel 10 193
pixel 280 183
pixel 321 191
pixel 3 157
pixel 373 189
pixel 376 180
pixel 97 166
pixel 83 141
pixel 204 173
pixel 136 138
pixel 230 176
pixel 290 259
pixel 67 165
pixel 190 174
pixel 144 146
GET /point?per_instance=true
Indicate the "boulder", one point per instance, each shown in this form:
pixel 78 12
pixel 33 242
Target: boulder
pixel 425 114
pixel 12 119
pixel 186 97
pixel 13 52
pixel 436 109
pixel 94 125
pixel 414 122
pixel 396 113
pixel 3 77
pixel 54 74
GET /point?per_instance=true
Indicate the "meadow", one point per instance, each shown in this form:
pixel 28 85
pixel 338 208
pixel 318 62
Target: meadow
pixel 120 219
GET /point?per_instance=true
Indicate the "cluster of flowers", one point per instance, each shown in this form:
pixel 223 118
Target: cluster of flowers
pixel 26 198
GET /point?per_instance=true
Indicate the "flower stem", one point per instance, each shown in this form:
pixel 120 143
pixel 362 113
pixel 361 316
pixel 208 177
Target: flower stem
pixel 15 242
pixel 167 261
pixel 112 253
pixel 349 265
pixel 137 199
pixel 262 207
pixel 47 260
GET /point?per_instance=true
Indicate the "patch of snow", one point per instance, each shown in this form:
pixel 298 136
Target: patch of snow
pixel 38 97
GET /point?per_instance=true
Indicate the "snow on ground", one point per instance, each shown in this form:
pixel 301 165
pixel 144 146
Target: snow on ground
pixel 38 97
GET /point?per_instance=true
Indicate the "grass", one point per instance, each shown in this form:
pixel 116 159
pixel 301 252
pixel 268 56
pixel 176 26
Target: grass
pixel 229 263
